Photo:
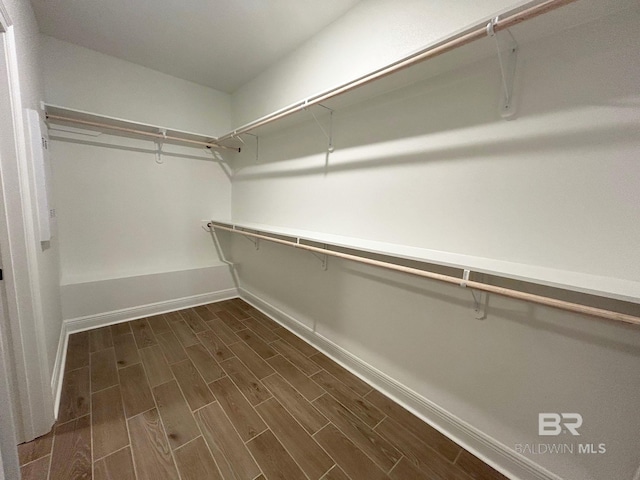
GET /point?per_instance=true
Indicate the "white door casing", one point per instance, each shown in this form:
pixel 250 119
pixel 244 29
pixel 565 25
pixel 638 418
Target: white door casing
pixel 23 331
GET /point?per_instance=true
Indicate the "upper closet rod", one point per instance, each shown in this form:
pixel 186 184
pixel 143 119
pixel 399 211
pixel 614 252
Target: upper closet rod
pixel 139 132
pixel 505 292
pixel 476 32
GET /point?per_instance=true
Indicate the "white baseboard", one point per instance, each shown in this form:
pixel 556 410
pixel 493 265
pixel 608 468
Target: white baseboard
pixel 89 322
pixel 485 447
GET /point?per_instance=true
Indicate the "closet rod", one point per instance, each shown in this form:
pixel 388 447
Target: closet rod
pixel 506 292
pixel 139 132
pixel 475 33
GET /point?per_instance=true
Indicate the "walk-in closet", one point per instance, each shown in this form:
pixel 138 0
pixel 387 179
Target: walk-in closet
pixel 337 240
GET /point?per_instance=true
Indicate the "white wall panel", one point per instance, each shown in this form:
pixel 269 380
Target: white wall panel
pixel 121 213
pixel 79 78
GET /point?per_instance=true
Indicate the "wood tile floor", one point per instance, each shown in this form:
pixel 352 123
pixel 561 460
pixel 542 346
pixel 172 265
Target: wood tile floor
pixel 223 392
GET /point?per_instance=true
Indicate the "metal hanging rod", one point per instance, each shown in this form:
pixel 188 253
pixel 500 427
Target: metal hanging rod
pixel 158 135
pixel 470 35
pixel 505 292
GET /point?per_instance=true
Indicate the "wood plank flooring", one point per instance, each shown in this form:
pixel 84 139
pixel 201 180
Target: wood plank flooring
pixel 222 392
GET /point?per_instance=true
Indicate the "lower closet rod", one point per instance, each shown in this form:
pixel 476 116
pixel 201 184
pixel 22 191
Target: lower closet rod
pixel 505 292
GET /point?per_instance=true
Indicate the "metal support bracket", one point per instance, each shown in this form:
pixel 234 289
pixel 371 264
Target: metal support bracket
pixel 480 304
pixel 324 259
pixel 479 298
pixel 508 59
pixel 255 241
pixel 330 147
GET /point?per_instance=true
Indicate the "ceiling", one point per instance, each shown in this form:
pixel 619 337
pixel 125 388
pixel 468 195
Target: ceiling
pixel 217 43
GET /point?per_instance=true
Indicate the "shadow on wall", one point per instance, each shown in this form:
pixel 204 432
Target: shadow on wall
pixel 597 137
pixel 520 351
pixel 455 115
pixel 534 315
pixel 432 127
pixel 127 144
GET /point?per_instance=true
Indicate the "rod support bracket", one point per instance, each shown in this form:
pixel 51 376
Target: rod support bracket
pixel 508 62
pixel 491 27
pixel 480 304
pixel 465 278
pixel 479 298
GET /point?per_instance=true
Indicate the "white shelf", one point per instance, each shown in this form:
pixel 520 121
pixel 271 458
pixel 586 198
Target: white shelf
pixel 619 289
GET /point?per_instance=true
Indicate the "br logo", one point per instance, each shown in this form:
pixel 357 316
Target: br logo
pixel 551 424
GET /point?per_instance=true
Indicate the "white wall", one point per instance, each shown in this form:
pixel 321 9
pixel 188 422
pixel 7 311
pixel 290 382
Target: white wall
pixel 76 77
pixel 433 165
pixel 121 214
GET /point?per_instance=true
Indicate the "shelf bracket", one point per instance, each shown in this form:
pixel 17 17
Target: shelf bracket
pixel 479 298
pixel 329 135
pixel 324 259
pixel 255 241
pixel 508 62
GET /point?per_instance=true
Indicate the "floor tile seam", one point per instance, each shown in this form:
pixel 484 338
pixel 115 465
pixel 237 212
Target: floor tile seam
pixel 246 365
pixel 350 410
pixel 105 388
pixel 240 390
pixel 50 463
pixel 206 444
pixel 419 440
pixel 30 462
pixel 297 390
pixel 397 463
pixel 305 432
pixel 457 456
pixel 212 353
pixel 307 357
pixel 237 433
pixel 155 403
pixel 303 397
pixel 126 426
pixel 325 450
pixel 253 350
pixel 76 369
pixel 268 429
pixel 365 453
pixel 112 453
pixel 348 387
